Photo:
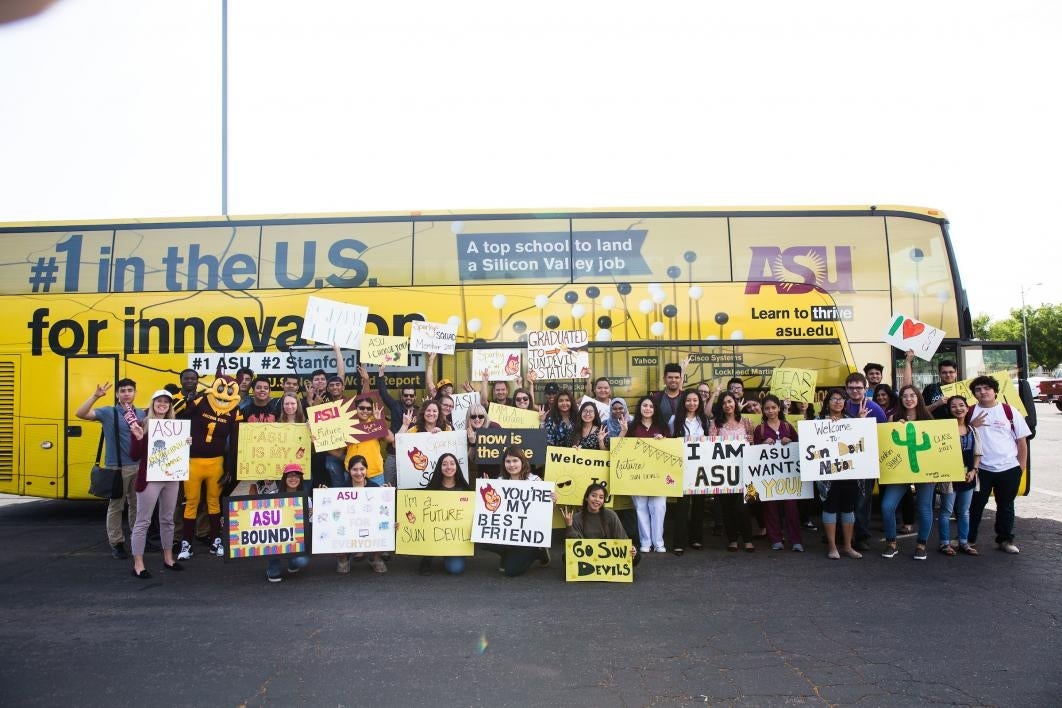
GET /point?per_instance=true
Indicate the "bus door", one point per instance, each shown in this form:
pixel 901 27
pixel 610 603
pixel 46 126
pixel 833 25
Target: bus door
pixel 987 358
pixel 10 479
pixel 82 437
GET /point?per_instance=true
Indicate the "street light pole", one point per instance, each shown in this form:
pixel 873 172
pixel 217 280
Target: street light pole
pixel 1025 326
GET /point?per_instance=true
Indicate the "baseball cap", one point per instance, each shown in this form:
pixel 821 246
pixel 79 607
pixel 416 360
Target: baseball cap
pixel 292 469
pixel 444 382
pixel 552 387
pixel 162 392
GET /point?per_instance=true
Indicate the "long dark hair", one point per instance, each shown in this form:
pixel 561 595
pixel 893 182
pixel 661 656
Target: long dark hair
pixel 825 412
pixel 657 415
pixel 586 495
pixel 597 416
pixel 921 412
pixel 888 390
pixel 435 483
pixel 525 466
pixel 681 414
pixel 554 414
pixel 717 410
pixel 771 398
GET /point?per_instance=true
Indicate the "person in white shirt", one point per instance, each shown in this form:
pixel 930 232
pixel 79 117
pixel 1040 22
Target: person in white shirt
pixel 1004 459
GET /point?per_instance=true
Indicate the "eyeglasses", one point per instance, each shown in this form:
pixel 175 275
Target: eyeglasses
pixel 836 400
pixel 477 416
pixel 854 388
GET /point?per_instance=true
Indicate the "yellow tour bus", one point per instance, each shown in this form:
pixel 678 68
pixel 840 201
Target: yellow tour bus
pixel 742 291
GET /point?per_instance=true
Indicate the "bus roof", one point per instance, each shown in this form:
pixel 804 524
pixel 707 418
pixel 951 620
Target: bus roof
pixel 925 213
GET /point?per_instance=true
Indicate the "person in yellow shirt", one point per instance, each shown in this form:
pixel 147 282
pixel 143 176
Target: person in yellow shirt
pixel 370 449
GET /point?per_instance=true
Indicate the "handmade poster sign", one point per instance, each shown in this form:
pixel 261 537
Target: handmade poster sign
pixel 920 451
pixel 416 455
pixel 353 520
pixel 462 402
pixel 573 470
pixel 712 465
pixel 513 513
pixel 434 523
pixel 370 430
pixel 646 466
pixel 558 354
pixel 908 333
pixel 382 349
pixel 257 526
pixel 794 384
pixel 330 322
pixel 500 364
pixel 1007 392
pixel 772 473
pixel 491 443
pixel 838 449
pixel 603 560
pixel 512 417
pixel 167 449
pixel 331 424
pixel 265 448
pixel 437 337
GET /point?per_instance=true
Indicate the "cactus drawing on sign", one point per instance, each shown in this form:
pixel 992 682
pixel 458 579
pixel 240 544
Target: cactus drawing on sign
pixel 913 448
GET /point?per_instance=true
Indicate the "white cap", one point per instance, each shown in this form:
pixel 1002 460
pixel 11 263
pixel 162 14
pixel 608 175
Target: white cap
pixel 162 392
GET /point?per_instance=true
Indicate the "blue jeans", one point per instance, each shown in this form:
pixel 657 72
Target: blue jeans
pixel 454 565
pixel 960 503
pixel 274 566
pixel 1005 485
pixel 891 494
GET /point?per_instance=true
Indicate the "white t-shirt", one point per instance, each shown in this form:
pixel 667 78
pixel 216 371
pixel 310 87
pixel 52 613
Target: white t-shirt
pixel 999 450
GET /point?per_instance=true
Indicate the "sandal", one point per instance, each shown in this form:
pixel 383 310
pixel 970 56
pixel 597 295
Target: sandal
pixel 378 566
pixel 969 550
pixel 946 549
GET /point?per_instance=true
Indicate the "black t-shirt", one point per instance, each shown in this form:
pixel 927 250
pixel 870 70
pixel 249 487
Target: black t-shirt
pixel 254 413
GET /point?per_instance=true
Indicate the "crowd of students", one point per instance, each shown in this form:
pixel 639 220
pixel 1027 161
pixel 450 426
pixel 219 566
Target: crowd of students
pixel 993 440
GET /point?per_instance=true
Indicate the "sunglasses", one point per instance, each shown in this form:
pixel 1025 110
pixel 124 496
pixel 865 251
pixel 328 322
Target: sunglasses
pixel 477 416
pixel 522 399
pixel 562 485
pixel 365 408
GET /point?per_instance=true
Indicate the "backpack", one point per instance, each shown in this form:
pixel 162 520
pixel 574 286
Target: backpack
pixel 1007 411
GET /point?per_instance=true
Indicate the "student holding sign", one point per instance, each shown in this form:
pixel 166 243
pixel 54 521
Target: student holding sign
pixel 369 449
pixel 358 470
pixel 150 493
pixel 478 421
pixel 690 424
pixel 591 434
pixel 650 510
pixel 911 408
pixel 292 482
pixel 515 560
pixel 776 430
pixel 593 520
pixel 446 477
pixel 727 423
pixel 961 494
pixel 839 496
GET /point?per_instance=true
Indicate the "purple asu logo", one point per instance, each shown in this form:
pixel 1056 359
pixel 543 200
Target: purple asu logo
pixel 800 269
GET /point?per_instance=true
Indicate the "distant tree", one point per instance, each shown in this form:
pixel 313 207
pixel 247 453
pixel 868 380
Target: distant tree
pixel 1044 324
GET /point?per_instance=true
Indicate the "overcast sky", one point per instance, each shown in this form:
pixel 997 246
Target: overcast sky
pixel 113 110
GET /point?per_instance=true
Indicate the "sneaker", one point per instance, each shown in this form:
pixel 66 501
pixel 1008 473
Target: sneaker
pixel 271 579
pixel 920 553
pixel 343 565
pixel 778 546
pixel 890 551
pixel 810 525
pixel 292 570
pixel 217 548
pixel 798 548
pixel 1008 547
pixel 660 549
pixel 186 551
pixel 118 551
pixel 543 557
pixel 645 549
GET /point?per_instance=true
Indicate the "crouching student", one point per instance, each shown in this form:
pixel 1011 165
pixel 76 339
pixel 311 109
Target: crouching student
pixel 447 477
pixel 358 468
pixel 291 483
pixel 593 520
